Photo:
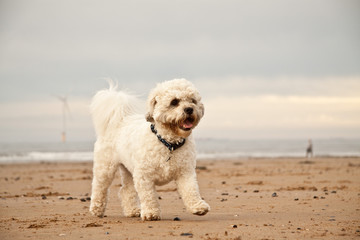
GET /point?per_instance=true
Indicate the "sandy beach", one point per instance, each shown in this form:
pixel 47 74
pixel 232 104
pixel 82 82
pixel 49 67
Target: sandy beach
pixel 278 198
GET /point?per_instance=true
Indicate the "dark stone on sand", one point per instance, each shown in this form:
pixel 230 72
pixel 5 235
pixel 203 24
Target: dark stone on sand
pixel 69 198
pixel 223 182
pixel 186 234
pixel 201 168
pixel 274 194
pixel 296 199
pixel 224 194
pixel 223 199
pixel 43 197
pixel 316 197
pixel 307 162
pixel 88 198
pixel 83 199
pixel 256 191
pixel 234 226
pixel 333 191
pixel 177 219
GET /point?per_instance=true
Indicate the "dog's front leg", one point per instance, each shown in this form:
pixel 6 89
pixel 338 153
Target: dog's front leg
pixel 189 191
pixel 150 208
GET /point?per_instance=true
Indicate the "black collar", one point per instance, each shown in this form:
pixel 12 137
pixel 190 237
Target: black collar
pixel 170 146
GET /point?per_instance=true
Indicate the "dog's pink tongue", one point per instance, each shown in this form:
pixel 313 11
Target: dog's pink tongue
pixel 187 124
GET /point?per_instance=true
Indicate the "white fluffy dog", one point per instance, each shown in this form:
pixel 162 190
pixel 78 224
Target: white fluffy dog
pixel 149 151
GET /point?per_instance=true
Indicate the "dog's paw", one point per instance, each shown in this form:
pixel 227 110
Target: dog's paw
pixel 150 216
pixel 132 213
pixel 97 211
pixel 201 209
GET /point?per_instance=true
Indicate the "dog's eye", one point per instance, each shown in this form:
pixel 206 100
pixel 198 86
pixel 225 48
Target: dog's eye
pixel 194 101
pixel 174 102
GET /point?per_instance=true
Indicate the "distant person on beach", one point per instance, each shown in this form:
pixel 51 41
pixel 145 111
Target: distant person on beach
pixel 309 150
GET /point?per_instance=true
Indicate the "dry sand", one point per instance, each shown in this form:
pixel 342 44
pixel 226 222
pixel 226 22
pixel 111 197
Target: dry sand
pixel 249 198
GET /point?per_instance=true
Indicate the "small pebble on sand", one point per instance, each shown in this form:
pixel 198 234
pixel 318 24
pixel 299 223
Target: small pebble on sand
pixel 186 234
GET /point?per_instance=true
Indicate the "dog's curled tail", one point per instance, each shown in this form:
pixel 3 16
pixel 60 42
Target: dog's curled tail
pixel 109 107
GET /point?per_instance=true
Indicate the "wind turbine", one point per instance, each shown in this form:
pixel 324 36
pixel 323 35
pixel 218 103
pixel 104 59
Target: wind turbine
pixel 65 111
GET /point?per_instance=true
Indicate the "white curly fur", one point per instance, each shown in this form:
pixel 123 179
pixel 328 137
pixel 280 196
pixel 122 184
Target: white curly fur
pixel 125 141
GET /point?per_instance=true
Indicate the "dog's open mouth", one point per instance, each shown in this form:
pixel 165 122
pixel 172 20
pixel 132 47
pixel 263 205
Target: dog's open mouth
pixel 187 124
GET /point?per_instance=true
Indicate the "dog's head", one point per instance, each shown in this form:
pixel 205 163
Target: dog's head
pixel 175 105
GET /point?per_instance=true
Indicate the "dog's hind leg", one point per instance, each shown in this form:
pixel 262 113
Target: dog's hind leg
pixel 104 171
pixel 128 194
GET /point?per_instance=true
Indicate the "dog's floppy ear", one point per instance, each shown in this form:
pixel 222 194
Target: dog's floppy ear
pixel 202 108
pixel 151 106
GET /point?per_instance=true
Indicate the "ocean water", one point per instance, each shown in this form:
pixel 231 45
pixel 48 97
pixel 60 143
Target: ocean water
pixel 206 148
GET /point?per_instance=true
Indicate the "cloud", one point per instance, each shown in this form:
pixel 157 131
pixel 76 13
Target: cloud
pixel 158 40
pixel 281 117
pixel 250 107
pixel 266 69
pixel 281 85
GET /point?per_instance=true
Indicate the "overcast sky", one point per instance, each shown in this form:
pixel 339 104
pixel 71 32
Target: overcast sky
pixel 266 69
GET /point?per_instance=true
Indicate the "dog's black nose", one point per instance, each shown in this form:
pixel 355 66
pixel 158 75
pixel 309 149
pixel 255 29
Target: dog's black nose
pixel 189 110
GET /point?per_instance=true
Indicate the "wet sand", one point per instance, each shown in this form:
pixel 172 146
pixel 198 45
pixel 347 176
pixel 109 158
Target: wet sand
pixel 250 199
